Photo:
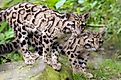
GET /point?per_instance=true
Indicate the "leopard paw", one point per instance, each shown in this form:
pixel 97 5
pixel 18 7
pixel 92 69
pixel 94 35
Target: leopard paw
pixel 35 56
pixel 29 60
pixel 83 72
pixel 57 66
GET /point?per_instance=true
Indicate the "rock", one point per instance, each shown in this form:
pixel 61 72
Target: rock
pixel 38 71
pixel 21 71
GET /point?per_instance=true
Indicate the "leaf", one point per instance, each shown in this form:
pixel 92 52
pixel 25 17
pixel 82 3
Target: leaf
pixel 3 26
pixel 119 31
pixel 2 37
pixel 59 3
pixel 9 34
pixel 94 4
pixel 80 1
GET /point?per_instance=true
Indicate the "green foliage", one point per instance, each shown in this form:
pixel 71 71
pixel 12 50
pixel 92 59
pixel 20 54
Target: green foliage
pixel 103 13
pixel 59 3
pixel 6 32
pixel 9 3
pixel 108 70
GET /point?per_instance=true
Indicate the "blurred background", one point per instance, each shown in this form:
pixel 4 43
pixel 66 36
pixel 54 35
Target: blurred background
pixel 104 13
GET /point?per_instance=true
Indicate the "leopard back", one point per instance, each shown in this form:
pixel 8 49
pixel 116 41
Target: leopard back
pixel 40 18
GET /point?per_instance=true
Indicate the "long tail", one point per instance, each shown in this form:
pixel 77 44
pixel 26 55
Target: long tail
pixel 3 15
pixel 11 46
pixel 8 47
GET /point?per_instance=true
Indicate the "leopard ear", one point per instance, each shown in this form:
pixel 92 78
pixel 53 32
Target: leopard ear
pixel 102 31
pixel 70 16
pixel 85 16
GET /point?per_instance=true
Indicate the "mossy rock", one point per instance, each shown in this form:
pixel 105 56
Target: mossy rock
pixel 50 74
pixel 38 71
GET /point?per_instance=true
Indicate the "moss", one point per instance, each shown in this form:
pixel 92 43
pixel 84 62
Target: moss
pixel 50 74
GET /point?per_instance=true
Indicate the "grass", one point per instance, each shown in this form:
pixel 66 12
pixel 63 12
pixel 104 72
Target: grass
pixel 106 69
pixel 109 69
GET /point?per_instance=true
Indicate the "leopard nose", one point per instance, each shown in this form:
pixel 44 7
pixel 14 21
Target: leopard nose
pixel 96 50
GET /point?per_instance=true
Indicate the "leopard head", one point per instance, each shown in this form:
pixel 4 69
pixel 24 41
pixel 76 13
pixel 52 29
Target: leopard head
pixel 79 22
pixel 92 41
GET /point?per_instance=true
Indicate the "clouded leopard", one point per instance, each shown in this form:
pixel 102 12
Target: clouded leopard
pixel 76 48
pixel 39 26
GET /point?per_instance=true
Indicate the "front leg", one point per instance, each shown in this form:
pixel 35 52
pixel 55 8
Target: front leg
pixel 23 40
pixel 46 48
pixel 82 58
pixel 36 42
pixel 50 54
pixel 74 62
pixel 54 58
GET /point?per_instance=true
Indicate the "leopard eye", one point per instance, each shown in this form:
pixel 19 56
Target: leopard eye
pixel 76 18
pixel 82 24
pixel 100 41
